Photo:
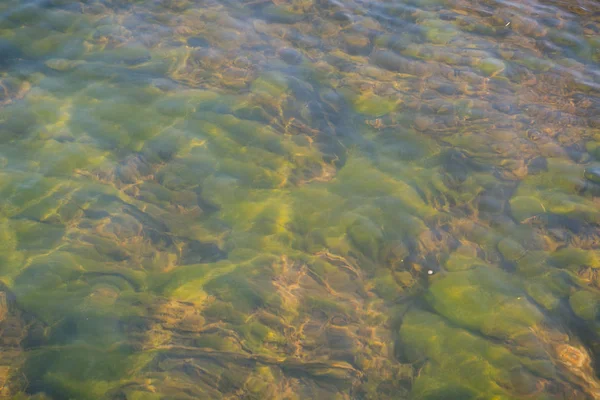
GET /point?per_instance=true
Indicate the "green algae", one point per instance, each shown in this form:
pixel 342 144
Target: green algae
pixel 491 66
pixel 511 249
pixel 438 32
pixel 461 364
pixel 461 262
pixel 523 207
pixel 372 105
pixel 282 14
pixel 573 258
pixel 542 295
pixel 248 200
pixel 366 236
pixel 387 287
pixel 273 84
pixel 557 188
pixel 359 176
pixel 532 263
pixel 585 304
pixel 475 298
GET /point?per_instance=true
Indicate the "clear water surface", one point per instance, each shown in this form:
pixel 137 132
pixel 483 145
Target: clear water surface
pixel 299 199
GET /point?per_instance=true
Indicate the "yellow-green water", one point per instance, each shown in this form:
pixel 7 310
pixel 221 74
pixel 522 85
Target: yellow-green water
pixel 299 199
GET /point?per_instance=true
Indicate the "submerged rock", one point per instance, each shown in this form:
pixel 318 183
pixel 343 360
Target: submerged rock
pixel 459 364
pixel 484 299
pixel 524 207
pixel 281 14
pixel 585 304
pixel 592 174
pixel 491 66
pixel 290 56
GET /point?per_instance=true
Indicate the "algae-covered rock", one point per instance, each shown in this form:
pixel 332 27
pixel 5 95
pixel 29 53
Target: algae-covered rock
pixel 573 258
pixel 366 236
pixel 290 56
pixel 130 54
pixel 460 364
pixel 61 64
pixel 32 235
pixel 532 263
pixel 523 207
pixel 389 60
pixel 592 174
pixel 491 66
pixel 558 191
pixel 485 299
pixel 10 257
pixel 263 237
pixel 438 31
pixel 282 14
pixel 173 106
pixel 373 105
pixel 386 286
pixel 262 384
pixel 356 43
pixel 69 373
pixel 511 249
pixel 542 295
pixel 464 258
pixel 359 178
pixel 585 304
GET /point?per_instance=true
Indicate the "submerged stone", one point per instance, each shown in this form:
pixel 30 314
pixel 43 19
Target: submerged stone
pixel 356 43
pixel 290 56
pixel 524 207
pixel 197 203
pixel 585 304
pixel 542 295
pixel 573 258
pixel 532 263
pixel 460 365
pixel 389 60
pixel 511 249
pixel 461 262
pixel 61 64
pixel 592 174
pixel 272 84
pixel 373 105
pixel 281 14
pixel 439 31
pixel 491 66
pixel 198 41
pixel 9 52
pixel 366 236
pixel 485 299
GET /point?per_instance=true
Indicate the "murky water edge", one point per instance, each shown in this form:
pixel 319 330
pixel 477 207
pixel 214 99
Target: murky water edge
pixel 307 199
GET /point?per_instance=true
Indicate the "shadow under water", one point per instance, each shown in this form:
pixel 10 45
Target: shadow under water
pixel 299 199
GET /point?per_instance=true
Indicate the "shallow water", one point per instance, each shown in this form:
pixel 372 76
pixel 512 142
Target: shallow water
pixel 306 199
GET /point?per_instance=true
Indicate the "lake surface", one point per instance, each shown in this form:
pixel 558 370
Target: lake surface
pixel 299 199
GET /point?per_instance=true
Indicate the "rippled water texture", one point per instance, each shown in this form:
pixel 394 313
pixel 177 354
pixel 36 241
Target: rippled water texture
pixel 299 199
